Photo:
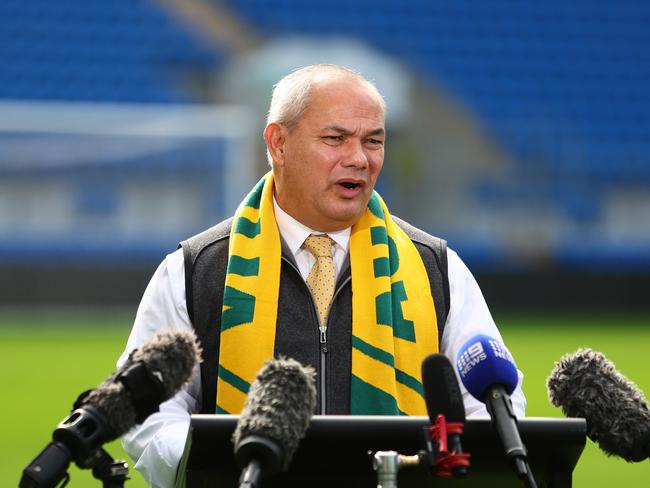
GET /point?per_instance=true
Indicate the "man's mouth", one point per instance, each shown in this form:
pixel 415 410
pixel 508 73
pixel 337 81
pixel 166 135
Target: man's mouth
pixel 350 188
pixel 349 184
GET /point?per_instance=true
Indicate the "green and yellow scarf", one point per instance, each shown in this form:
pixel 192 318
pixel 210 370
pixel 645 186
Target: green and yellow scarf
pixel 393 315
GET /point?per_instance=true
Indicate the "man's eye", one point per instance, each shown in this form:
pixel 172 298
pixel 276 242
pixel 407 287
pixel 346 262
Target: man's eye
pixel 333 138
pixel 375 142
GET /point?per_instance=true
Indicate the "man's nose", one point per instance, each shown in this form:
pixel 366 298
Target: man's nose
pixel 356 155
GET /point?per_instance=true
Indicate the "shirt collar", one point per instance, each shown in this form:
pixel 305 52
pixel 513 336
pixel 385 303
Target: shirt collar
pixel 294 233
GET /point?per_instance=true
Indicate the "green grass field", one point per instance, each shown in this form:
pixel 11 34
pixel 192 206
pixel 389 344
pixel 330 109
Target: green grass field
pixel 48 358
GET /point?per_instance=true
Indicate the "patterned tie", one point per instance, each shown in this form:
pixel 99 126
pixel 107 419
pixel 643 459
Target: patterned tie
pixel 322 277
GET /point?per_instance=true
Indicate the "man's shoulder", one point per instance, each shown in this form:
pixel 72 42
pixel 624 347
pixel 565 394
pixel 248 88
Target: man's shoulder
pixel 207 239
pixel 418 236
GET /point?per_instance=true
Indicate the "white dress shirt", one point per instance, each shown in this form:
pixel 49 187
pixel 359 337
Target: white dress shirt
pixel 294 234
pixel 157 445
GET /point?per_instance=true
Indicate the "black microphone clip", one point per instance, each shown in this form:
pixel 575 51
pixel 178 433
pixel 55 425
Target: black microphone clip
pixel 444 455
pixel 146 388
pixel 77 438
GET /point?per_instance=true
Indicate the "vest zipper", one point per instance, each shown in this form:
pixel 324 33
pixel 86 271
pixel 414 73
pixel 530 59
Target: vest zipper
pixel 323 368
pixel 322 337
pixel 323 351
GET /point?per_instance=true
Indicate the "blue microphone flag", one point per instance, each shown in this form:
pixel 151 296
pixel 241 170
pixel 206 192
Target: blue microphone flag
pixel 484 362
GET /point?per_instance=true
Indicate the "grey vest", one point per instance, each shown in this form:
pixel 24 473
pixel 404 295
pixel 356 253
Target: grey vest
pixel 297 333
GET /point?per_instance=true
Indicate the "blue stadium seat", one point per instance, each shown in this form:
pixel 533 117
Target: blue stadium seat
pixel 100 51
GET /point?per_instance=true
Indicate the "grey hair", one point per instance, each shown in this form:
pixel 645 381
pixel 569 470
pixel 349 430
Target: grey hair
pixel 291 95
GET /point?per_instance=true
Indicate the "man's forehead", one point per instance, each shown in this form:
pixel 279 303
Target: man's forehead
pixel 344 100
pixel 339 103
pixel 342 85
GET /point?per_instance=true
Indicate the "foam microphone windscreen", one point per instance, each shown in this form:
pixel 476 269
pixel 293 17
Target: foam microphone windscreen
pixel 279 406
pixel 441 390
pixel 586 384
pixel 152 374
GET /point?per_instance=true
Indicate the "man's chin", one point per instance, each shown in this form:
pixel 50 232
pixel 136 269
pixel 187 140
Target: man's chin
pixel 348 217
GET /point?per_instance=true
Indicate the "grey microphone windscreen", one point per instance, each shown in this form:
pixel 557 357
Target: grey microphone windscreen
pixel 586 384
pixel 160 368
pixel 172 356
pixel 279 405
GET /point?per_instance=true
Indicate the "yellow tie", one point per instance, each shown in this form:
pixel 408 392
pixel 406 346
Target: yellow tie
pixel 322 277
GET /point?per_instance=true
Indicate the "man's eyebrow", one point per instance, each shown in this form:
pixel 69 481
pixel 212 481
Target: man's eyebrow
pixel 377 132
pixel 343 131
pixel 339 129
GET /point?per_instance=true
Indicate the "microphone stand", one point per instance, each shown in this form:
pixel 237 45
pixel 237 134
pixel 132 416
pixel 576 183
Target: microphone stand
pixel 76 438
pixel 387 463
pixel 500 407
pixel 524 472
pixel 443 456
pixel 111 473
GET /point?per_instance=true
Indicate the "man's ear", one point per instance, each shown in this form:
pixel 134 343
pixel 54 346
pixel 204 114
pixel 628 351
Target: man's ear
pixel 274 138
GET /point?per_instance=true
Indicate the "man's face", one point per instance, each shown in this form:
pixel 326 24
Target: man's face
pixel 329 161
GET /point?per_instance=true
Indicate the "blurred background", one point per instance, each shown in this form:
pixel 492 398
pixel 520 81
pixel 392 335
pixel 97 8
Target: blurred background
pixel 518 131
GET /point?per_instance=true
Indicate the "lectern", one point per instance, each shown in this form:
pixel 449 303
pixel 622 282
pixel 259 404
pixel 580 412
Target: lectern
pixel 334 453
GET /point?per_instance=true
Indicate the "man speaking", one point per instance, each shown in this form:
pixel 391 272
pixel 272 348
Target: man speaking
pixel 314 267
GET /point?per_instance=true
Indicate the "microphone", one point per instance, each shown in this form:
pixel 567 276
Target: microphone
pixel 489 373
pixel 278 408
pixel 152 374
pixel 446 414
pixel 586 384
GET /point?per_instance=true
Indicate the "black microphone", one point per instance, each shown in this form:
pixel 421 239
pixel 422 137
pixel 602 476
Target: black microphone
pixel 586 384
pixel 278 408
pixel 152 374
pixel 443 398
